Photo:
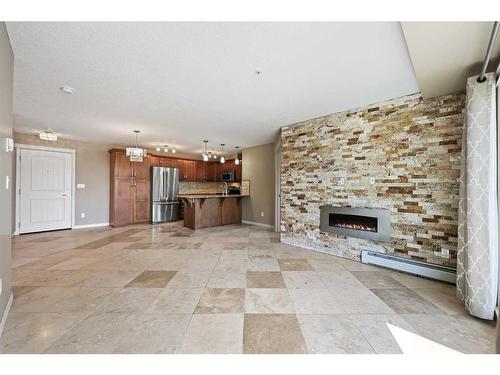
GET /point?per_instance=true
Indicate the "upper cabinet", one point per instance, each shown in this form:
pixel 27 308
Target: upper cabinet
pixel 155 161
pixel 122 165
pixel 179 164
pixel 161 161
pixel 189 170
pixel 141 169
pixel 167 162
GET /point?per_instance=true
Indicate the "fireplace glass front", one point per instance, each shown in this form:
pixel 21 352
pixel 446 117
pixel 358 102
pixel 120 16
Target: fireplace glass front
pixel 355 222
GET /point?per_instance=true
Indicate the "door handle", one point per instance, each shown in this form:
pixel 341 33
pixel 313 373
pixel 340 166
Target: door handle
pixel 64 195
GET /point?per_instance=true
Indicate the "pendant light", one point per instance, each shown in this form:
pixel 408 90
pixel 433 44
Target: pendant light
pixel 237 160
pixel 205 154
pixel 165 149
pixel 222 158
pixel 136 153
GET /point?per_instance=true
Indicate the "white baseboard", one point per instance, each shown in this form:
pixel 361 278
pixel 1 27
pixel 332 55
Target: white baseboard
pixel 258 224
pixel 6 312
pixel 91 225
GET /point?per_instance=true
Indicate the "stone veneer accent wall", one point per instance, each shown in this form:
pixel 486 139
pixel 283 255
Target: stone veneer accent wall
pixel 409 145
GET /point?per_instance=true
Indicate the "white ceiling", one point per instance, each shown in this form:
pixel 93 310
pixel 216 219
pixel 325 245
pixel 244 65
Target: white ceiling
pixel 181 83
pixel 445 54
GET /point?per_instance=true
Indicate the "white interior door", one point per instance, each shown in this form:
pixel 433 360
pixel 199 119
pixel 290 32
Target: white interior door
pixel 45 195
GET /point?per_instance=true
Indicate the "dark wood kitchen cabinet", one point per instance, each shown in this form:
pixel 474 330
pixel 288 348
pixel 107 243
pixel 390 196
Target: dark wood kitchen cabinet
pixel 200 171
pixel 129 201
pixel 205 171
pixel 156 161
pixel 190 170
pixel 161 161
pixel 230 165
pixel 187 169
pixel 179 164
pixel 130 182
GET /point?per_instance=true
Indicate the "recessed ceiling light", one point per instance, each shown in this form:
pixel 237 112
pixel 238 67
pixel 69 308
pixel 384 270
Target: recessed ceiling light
pixel 67 89
pixel 157 149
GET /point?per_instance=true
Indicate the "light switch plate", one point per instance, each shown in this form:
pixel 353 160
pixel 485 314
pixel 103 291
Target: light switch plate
pixel 80 186
pixel 7 182
pixel 8 144
pixel 82 215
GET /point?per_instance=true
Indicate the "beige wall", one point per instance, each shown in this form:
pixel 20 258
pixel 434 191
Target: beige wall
pixel 92 169
pixel 258 167
pixel 6 74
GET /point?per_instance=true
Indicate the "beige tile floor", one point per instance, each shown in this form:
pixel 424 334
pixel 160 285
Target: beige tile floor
pixel 232 289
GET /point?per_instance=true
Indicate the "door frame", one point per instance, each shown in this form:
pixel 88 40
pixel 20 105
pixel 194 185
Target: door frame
pixel 72 152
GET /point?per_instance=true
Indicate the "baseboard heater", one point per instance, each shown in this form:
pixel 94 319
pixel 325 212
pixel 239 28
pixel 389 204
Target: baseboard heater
pixel 413 267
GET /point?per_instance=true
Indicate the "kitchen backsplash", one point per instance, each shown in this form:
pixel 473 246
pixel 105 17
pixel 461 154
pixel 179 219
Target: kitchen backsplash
pixel 188 187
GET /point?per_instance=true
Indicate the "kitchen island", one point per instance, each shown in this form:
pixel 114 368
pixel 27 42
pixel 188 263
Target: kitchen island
pixel 210 210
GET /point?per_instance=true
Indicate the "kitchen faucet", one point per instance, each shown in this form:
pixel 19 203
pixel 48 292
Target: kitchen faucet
pixel 225 188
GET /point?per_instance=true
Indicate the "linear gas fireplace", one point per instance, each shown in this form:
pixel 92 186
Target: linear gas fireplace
pixel 368 223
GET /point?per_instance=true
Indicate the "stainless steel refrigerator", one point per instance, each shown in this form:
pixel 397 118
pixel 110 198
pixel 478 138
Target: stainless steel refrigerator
pixel 164 190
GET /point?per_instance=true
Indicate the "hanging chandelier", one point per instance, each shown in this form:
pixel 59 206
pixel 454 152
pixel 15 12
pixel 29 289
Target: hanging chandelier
pixel 136 154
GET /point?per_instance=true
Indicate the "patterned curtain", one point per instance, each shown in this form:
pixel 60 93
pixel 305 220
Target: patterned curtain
pixel 477 258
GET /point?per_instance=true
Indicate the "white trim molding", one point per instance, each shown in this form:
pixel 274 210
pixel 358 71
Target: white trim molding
pixel 20 146
pixel 83 226
pixel 6 312
pixel 277 185
pixel 257 224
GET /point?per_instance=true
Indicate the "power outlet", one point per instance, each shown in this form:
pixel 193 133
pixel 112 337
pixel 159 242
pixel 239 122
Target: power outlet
pixel 262 213
pixel 82 215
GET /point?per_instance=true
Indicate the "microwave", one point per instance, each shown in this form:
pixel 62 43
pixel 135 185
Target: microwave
pixel 228 176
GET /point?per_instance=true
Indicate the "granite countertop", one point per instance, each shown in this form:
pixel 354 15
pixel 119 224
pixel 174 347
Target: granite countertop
pixel 203 196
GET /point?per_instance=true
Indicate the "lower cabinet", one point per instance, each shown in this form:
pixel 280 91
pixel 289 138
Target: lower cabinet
pixel 141 201
pixel 129 202
pixel 122 202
